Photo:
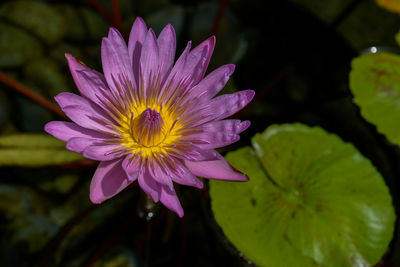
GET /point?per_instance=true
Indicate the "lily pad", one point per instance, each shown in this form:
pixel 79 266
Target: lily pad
pixel 375 84
pixel 312 200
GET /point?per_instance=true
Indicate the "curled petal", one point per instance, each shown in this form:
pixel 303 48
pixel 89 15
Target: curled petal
pixel 215 169
pixel 169 198
pixel 108 180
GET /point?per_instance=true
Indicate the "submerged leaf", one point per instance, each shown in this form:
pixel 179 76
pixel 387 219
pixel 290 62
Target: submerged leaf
pixel 375 84
pixel 34 150
pixel 391 5
pixel 311 200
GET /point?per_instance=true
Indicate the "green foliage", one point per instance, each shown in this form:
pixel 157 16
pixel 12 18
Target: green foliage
pixel 311 200
pixel 375 84
pixel 34 150
pixel 16 46
pixel 36 17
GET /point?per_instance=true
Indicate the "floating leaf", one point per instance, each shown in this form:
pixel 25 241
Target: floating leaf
pixel 312 200
pixel 34 150
pixel 391 5
pixel 375 84
pixel 37 17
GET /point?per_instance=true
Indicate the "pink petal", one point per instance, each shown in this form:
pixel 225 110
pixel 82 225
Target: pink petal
pixel 83 112
pixel 213 140
pixel 135 44
pixel 149 60
pixel 226 126
pixel 212 83
pixel 174 77
pixel 117 65
pixel 78 144
pixel 132 166
pixel 66 130
pixel 215 169
pixel 223 106
pixel 108 180
pixel 159 174
pixel 186 177
pixel 171 201
pixel 95 85
pixel 198 60
pixel 167 45
pixel 102 152
pixel 92 84
pixel 149 185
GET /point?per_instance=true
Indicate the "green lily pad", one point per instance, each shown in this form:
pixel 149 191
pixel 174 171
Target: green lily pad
pixel 312 200
pixel 375 84
pixel 34 150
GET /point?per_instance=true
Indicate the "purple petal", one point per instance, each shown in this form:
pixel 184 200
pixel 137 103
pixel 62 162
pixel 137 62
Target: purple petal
pixel 211 140
pixel 132 166
pixel 215 169
pixel 135 44
pixel 212 83
pixel 226 126
pixel 95 85
pixel 167 45
pixel 223 106
pixel 92 84
pixel 149 59
pixel 160 175
pixel 198 59
pixel 174 77
pixel 102 152
pixel 171 201
pixel 83 112
pixel 108 180
pixel 186 177
pixel 66 130
pixel 149 185
pixel 78 144
pixel 117 65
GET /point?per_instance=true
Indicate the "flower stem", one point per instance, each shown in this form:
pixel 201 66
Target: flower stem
pixel 5 79
pixel 96 5
pixel 218 17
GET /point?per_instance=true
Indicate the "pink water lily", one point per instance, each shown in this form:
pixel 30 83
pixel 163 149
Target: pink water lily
pixel 149 119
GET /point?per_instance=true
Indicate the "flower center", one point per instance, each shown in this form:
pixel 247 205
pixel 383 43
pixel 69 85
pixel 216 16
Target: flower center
pixel 148 128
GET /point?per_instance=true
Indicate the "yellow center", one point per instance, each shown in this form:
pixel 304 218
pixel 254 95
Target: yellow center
pixel 149 129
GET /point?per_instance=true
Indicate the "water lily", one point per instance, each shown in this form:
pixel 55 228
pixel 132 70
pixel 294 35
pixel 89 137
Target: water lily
pixel 150 120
